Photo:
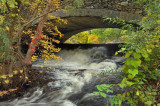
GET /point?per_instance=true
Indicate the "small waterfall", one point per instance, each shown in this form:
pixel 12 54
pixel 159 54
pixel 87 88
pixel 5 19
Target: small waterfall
pixel 75 79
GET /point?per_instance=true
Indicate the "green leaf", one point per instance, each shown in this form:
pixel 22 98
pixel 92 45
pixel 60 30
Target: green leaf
pixel 147 59
pixel 103 94
pixel 154 90
pixel 116 53
pixel 144 18
pixel 130 83
pixel 105 86
pixel 130 76
pixel 128 61
pixel 119 102
pixel 123 49
pixel 108 90
pixel 96 92
pixel 128 54
pixel 145 54
pixel 122 85
pixel 133 72
pixel 141 82
pixel 136 55
pixel 154 93
pixel 12 5
pixel 3 1
pixel 99 88
pixel 136 63
pixel 148 103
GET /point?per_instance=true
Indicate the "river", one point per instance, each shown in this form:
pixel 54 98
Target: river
pixel 73 80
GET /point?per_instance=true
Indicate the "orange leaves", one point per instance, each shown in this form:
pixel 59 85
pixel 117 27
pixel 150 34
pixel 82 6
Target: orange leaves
pixel 93 39
pixel 26 43
pixel 8 91
pixel 11 90
pixel 3 93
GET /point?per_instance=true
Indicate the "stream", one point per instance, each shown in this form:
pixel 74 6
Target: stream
pixel 71 82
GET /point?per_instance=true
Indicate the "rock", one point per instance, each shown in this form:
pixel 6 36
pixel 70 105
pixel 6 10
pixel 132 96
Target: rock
pixel 124 3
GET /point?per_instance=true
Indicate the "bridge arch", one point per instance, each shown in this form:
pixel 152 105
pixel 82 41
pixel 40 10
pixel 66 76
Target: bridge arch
pixel 85 19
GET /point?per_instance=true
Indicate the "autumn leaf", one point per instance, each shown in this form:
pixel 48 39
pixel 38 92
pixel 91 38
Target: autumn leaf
pixel 21 71
pixel 11 90
pixel 30 62
pixel 38 30
pixel 41 36
pixel 26 77
pixel 4 76
pixel 11 75
pixel 15 71
pixel 6 81
pixel 33 49
pixel 36 37
pixel 45 62
pixel 33 40
pixel 3 93
pixel 26 43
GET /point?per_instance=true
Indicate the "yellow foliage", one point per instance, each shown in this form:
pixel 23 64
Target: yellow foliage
pixel 6 81
pixel 3 76
pixel 21 71
pixel 15 71
pixel 26 77
pixel 1 19
pixel 34 58
pixel 11 75
pixel 45 62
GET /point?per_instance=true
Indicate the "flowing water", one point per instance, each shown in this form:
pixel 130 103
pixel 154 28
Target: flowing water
pixel 73 80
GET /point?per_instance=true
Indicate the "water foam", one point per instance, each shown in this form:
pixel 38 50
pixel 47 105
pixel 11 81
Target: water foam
pixel 72 74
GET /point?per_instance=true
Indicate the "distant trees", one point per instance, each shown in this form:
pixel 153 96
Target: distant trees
pixel 102 35
pixel 79 38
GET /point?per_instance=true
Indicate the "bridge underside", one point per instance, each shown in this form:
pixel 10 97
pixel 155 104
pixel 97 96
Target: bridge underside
pixel 85 19
pixel 79 24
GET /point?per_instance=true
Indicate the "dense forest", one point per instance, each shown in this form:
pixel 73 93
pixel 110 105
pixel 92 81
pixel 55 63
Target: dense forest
pixel 142 49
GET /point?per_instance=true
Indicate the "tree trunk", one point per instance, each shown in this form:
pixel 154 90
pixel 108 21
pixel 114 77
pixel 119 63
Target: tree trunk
pixel 36 38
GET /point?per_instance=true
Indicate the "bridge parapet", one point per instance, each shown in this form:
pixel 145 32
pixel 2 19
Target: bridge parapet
pixel 117 5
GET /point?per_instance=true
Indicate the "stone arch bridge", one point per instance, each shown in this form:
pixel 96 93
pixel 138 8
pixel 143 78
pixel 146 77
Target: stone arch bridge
pixel 92 14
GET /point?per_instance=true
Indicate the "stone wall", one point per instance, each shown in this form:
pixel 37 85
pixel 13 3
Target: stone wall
pixel 117 5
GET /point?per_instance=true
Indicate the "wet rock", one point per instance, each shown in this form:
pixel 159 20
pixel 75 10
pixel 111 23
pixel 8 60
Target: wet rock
pixel 120 60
